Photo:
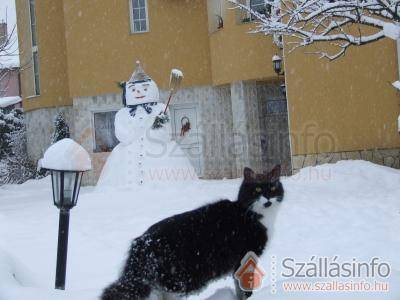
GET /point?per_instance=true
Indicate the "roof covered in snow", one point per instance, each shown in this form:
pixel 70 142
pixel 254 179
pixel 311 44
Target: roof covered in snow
pixel 66 155
pixel 9 61
pixel 7 101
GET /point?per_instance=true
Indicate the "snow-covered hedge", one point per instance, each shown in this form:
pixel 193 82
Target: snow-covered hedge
pixel 15 167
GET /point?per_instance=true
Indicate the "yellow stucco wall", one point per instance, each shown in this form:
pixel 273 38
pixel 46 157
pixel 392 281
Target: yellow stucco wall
pixel 237 55
pixel 52 54
pixel 86 46
pixel 348 104
pixel 101 50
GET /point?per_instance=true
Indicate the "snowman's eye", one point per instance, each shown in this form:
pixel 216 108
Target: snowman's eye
pixel 133 90
pixel 145 90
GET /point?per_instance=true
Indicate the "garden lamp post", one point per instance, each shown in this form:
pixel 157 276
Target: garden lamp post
pixel 66 161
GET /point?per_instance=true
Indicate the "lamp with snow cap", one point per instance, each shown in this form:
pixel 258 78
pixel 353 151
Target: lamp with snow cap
pixel 277 64
pixel 66 161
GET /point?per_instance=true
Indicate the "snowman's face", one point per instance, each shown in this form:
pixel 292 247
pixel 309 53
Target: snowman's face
pixel 141 92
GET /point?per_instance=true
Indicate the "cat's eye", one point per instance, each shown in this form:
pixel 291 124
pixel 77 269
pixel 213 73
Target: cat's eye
pixel 258 189
pixel 273 188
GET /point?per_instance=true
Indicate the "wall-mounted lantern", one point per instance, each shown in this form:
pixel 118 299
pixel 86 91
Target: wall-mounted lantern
pixel 277 65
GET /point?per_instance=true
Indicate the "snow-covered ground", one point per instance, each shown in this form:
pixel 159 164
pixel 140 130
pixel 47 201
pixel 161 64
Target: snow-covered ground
pixel 350 209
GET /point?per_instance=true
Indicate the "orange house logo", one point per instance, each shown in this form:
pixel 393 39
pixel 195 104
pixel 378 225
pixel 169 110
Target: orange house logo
pixel 250 275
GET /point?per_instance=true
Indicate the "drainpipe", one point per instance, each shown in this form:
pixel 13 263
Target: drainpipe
pixel 397 83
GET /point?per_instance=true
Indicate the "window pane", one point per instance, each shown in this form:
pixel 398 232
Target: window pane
pixel 143 13
pixel 135 3
pixel 33 21
pixel 104 131
pixel 36 73
pixel 143 25
pixel 141 3
pixel 136 26
pixel 34 38
pixel 136 14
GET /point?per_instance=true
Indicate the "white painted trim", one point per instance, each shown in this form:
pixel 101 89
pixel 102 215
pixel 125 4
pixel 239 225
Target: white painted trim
pixel 132 23
pixel 398 56
pixel 287 103
pixel 34 49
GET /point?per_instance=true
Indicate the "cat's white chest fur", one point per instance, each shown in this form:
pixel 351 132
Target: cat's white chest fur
pixel 269 214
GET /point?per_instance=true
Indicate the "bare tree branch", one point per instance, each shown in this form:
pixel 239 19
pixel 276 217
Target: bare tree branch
pixel 342 24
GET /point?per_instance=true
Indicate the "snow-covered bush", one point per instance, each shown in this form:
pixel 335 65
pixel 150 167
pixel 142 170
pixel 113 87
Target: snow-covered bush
pixel 15 166
pixel 61 130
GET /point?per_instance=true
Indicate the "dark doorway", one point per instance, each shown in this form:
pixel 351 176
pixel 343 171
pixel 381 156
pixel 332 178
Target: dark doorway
pixel 274 127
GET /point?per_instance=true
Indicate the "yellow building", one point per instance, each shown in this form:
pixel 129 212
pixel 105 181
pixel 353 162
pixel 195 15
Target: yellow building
pixel 74 52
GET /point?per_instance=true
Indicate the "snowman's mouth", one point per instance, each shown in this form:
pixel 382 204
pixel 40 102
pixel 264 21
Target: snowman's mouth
pixel 139 97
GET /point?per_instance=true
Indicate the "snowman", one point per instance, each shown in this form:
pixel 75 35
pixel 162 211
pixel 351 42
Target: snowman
pixel 146 152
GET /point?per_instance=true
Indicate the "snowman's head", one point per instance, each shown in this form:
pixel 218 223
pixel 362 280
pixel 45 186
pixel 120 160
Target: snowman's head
pixel 140 88
pixel 139 92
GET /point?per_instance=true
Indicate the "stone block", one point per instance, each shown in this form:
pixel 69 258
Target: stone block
pixel 389 161
pixel 367 155
pixel 298 162
pixel 354 155
pixel 310 160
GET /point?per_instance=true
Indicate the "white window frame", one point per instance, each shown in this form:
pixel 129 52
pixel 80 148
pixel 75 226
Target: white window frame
pixel 35 67
pixel 247 17
pixel 132 20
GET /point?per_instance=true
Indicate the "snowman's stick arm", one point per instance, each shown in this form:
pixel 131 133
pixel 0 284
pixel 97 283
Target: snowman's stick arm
pixel 174 83
pixel 168 102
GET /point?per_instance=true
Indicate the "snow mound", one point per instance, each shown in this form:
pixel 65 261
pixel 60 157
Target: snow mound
pixel 12 272
pixel 66 155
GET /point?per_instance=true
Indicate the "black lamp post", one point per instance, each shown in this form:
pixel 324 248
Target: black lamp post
pixel 66 186
pixel 67 161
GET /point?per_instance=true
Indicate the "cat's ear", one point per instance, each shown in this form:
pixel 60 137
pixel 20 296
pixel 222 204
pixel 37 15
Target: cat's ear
pixel 248 174
pixel 275 174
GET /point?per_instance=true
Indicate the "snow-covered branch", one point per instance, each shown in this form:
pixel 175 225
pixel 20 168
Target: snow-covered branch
pixel 341 24
pixel 8 49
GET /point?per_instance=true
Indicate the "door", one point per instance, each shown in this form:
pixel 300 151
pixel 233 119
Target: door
pixel 275 140
pixel 186 132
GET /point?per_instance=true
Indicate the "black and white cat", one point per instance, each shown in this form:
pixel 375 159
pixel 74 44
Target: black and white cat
pixel 182 254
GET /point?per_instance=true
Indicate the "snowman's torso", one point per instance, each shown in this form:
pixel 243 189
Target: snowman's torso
pixel 145 154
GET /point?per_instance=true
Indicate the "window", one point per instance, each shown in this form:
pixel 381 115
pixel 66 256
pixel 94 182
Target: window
pixel 36 72
pixel 35 55
pixel 104 131
pixel 257 5
pixel 32 13
pixel 139 16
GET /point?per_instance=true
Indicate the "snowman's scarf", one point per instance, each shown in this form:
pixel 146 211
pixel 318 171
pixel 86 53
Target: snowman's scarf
pixel 146 106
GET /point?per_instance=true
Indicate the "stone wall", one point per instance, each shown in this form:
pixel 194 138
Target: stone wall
pixel 246 126
pixel 215 127
pixel 386 157
pixel 83 111
pixel 40 128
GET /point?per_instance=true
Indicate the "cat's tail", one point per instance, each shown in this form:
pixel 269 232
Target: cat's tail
pixel 126 291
